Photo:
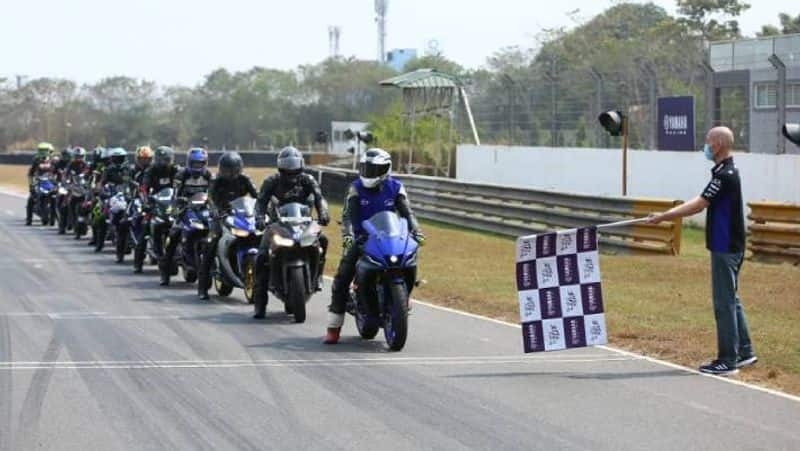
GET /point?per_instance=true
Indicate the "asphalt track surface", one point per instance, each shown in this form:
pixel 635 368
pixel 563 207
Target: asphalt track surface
pixel 93 357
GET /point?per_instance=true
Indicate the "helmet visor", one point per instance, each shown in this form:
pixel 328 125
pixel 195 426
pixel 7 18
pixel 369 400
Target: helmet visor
pixel 118 159
pixel 229 172
pixel 372 171
pixel 197 165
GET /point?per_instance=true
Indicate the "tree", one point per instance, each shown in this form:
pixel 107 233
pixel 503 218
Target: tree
pixel 708 17
pixel 789 25
pixel 438 62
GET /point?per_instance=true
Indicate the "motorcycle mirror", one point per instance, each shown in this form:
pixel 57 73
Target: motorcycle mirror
pixel 612 122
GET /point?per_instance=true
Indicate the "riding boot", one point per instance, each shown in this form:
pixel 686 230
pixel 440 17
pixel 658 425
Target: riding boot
pixel 335 322
pixel 261 287
pixel 29 211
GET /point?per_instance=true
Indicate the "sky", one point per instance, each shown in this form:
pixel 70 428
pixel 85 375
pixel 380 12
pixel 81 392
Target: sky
pixel 180 41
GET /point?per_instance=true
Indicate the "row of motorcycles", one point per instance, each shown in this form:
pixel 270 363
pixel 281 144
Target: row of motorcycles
pixel 117 216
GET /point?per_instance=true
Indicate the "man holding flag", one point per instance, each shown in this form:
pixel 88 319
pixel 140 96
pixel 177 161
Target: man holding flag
pixel 725 239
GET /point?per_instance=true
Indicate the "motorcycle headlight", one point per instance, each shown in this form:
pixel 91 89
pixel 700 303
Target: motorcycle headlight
pixel 282 241
pixel 239 233
pixel 198 226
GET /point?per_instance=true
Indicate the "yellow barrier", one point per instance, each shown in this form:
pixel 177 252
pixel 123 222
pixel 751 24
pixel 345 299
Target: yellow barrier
pixel 775 232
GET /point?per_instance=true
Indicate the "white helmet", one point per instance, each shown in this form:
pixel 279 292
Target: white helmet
pixel 375 167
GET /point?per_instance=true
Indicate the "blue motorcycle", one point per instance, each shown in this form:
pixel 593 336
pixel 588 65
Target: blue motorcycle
pixel 385 276
pixel 44 201
pixel 194 228
pixel 237 250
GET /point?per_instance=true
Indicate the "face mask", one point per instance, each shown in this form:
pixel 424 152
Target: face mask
pixel 708 152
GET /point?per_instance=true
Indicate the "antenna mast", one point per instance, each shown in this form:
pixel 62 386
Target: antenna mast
pixel 381 8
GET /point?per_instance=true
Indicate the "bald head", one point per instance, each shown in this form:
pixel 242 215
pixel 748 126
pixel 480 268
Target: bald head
pixel 721 138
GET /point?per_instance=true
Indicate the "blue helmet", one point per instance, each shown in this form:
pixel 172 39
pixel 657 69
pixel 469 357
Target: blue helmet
pixel 196 160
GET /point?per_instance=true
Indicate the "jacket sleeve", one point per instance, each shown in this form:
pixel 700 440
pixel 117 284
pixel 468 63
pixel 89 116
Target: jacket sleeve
pixel 180 179
pixel 403 206
pixel 350 214
pixel 264 195
pixel 251 189
pixel 319 200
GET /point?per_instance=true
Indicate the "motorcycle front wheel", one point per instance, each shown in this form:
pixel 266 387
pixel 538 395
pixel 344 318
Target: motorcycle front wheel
pixel 223 288
pixel 395 328
pixel 297 294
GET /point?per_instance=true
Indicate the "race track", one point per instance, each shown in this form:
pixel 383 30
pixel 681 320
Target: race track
pixel 93 357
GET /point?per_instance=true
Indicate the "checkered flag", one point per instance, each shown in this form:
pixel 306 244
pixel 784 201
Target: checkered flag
pixel 560 292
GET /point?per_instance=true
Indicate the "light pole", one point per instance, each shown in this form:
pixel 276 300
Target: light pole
pixel 616 124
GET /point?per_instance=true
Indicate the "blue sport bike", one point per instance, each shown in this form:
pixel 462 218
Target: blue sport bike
pixel 386 273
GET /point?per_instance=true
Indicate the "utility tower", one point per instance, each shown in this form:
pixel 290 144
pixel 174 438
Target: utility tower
pixel 334 36
pixel 381 8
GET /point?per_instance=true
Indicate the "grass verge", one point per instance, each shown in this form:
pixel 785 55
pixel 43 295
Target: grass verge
pixel 658 306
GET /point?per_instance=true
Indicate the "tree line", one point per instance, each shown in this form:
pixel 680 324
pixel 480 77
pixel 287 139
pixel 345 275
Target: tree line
pixel 628 45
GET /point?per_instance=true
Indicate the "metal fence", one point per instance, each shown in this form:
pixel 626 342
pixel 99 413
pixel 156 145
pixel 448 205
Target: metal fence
pixel 515 211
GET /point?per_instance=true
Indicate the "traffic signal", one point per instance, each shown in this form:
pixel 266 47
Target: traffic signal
pixel 613 122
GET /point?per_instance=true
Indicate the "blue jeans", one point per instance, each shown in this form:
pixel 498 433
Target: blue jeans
pixel 733 336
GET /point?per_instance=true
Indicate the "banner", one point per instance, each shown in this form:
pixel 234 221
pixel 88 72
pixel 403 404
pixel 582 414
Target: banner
pixel 560 290
pixel 676 123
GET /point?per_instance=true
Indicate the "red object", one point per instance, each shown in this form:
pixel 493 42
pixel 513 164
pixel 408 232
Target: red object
pixel 332 337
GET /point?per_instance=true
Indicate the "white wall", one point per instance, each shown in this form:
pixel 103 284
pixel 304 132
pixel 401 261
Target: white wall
pixel 673 175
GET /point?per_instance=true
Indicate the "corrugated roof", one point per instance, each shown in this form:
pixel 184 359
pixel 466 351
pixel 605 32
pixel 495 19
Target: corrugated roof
pixel 423 78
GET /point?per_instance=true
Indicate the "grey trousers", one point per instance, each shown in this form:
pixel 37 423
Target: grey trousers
pixel 733 335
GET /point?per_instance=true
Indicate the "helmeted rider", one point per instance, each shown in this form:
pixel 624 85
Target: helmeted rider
pixel 142 161
pixel 117 171
pixel 193 179
pixel 229 185
pixel 160 175
pixel 61 163
pixel 41 165
pixel 290 185
pixel 373 192
pixel 78 165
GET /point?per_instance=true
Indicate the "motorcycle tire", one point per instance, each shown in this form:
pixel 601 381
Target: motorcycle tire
pixel 297 294
pixel 122 245
pixel 249 279
pixel 223 288
pixel 138 256
pixel 395 329
pixel 189 275
pixel 45 212
pixel 100 241
pixel 62 222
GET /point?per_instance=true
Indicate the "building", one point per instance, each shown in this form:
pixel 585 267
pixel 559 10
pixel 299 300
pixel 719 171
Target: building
pixel 756 89
pixel 398 58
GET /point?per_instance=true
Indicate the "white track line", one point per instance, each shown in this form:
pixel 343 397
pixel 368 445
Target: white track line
pixel 628 353
pixel 201 364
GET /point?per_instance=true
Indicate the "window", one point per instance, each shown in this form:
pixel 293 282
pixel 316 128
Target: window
pixel 766 95
pixel 793 94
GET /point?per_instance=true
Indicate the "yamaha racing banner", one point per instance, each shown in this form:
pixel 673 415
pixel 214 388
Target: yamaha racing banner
pixel 676 123
pixel 560 291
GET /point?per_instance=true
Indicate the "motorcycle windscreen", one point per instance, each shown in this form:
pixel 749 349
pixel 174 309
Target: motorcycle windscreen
pixel 198 199
pixel 245 206
pixel 294 212
pixel 165 196
pixel 386 224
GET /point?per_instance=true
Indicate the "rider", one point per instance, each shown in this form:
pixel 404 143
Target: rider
pixel 40 165
pixel 195 178
pixel 373 192
pixel 62 162
pixel 117 170
pixel 159 176
pixel 142 161
pixel 229 185
pixel 288 186
pixel 77 165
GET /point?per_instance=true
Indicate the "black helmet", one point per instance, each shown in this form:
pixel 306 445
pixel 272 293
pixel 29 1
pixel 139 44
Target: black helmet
pixel 230 165
pixel 66 154
pixel 165 157
pixel 290 163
